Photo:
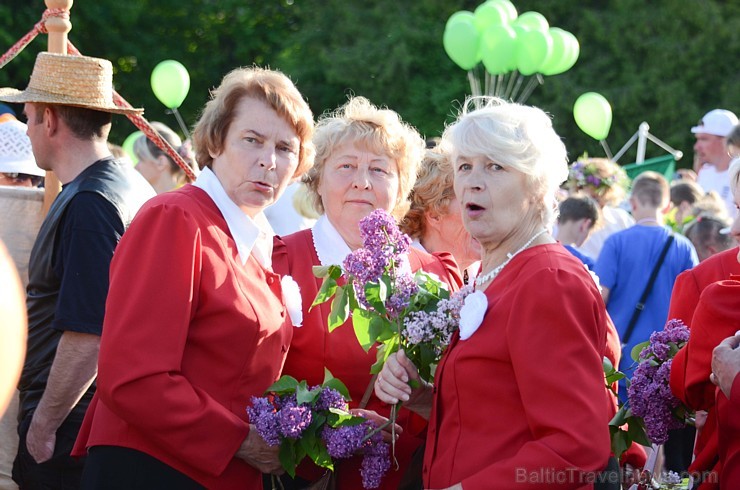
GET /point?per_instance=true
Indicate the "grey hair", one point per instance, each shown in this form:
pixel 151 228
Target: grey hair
pixel 513 135
pixel 734 174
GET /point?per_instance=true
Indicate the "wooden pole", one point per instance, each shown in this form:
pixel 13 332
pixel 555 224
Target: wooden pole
pixel 57 27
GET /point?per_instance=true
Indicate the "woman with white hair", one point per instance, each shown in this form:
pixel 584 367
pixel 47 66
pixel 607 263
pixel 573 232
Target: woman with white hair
pixel 519 398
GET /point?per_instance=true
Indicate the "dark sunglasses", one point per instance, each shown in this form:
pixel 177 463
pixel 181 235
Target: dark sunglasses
pixel 20 178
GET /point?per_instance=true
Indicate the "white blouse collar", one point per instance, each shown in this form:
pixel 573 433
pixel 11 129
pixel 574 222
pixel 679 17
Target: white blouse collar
pixel 252 236
pixel 329 244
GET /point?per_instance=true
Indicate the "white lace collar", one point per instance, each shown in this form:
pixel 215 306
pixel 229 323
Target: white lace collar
pixel 329 244
pixel 250 235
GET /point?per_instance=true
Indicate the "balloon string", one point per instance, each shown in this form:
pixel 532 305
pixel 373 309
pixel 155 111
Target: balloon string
pixel 605 146
pixel 181 122
pixel 533 82
pixel 500 85
pixel 519 80
pixel 510 85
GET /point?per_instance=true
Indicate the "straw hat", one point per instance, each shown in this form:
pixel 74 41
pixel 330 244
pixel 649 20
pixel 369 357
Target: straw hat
pixel 16 155
pixel 78 81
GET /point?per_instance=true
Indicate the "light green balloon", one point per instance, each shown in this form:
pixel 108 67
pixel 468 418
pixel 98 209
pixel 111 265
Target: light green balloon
pixel 128 145
pixel 170 83
pixel 574 51
pixel 461 41
pixel 508 7
pixel 593 114
pixel 464 16
pixel 489 14
pixel 535 20
pixel 498 49
pixel 533 48
pixel 558 54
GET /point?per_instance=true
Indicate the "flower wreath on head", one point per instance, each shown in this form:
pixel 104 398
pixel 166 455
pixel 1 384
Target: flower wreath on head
pixel 584 173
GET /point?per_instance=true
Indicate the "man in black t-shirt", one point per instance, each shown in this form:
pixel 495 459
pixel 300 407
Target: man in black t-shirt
pixel 69 104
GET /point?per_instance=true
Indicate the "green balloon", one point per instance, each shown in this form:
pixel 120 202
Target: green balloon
pixel 535 20
pixel 533 48
pixel 573 51
pixel 558 54
pixel 489 14
pixel 511 12
pixel 461 41
pixel 170 83
pixel 128 145
pixel 463 16
pixel 498 49
pixel 593 114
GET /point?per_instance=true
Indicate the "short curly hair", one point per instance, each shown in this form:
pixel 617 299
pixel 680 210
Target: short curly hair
pixel 433 192
pixel 271 87
pixel 379 130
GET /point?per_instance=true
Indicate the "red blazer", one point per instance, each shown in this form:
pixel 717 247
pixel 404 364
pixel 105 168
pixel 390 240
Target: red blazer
pixel 686 382
pixel 728 420
pixel 190 334
pixel 717 317
pixel 521 404
pixel 313 348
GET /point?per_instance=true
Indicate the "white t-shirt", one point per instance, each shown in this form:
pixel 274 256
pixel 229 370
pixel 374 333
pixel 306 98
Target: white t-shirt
pixel 710 179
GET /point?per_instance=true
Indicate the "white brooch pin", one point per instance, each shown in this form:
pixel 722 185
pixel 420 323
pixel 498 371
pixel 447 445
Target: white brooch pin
pixel 472 313
pixel 292 300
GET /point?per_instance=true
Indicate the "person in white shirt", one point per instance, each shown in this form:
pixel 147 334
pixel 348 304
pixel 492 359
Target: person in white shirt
pixel 712 154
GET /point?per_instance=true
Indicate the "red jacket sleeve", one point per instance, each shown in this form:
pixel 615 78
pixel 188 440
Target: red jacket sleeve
pixel 145 337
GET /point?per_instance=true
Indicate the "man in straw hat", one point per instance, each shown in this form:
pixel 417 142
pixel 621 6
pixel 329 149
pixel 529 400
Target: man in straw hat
pixel 69 102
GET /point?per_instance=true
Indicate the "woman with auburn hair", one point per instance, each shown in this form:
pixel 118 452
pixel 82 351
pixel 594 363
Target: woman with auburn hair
pixel 196 320
pixel 366 159
pixel 435 218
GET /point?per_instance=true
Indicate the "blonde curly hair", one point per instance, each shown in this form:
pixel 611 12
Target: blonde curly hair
pixel 378 130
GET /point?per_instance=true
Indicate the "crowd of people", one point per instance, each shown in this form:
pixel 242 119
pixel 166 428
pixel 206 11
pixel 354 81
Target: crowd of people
pixel 156 308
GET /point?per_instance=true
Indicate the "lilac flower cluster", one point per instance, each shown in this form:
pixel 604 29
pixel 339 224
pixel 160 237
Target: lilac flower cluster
pixel 279 419
pixel 435 327
pixel 384 252
pixel 649 393
pixel 343 442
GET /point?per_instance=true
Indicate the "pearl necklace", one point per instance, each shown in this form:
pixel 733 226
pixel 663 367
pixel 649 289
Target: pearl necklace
pixel 490 275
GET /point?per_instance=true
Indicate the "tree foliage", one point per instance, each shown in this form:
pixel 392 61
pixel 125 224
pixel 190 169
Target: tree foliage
pixel 666 62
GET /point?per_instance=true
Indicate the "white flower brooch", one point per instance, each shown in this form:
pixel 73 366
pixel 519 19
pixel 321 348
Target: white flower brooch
pixel 292 300
pixel 472 313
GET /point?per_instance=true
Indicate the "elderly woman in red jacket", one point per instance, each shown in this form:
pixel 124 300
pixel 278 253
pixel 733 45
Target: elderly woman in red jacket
pixel 519 398
pixel 366 159
pixel 196 321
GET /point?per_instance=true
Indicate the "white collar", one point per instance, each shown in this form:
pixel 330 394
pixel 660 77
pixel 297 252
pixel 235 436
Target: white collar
pixel 252 236
pixel 329 244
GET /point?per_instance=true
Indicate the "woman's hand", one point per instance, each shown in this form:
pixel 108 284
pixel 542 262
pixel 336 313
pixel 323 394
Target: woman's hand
pixel 257 453
pixel 393 385
pixel 379 421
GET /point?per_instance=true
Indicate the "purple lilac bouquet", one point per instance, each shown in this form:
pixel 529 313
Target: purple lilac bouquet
pixel 316 422
pixel 652 409
pixel 649 393
pixel 388 303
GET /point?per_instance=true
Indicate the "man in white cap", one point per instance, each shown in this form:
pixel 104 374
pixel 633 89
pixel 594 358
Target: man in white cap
pixel 17 165
pixel 69 102
pixel 711 152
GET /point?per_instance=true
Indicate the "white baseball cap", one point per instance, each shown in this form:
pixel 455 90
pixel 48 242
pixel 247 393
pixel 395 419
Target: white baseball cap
pixel 16 155
pixel 718 122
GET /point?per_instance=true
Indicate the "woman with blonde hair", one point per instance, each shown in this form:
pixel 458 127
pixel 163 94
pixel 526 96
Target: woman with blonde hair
pixel 157 167
pixel 607 183
pixel 367 158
